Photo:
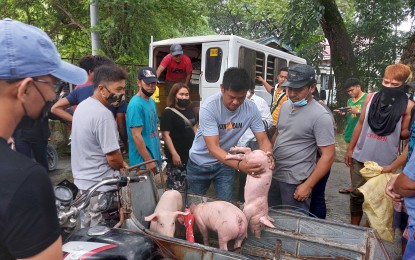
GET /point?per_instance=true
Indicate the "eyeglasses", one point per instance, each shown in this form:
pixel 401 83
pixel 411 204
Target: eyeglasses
pixel 55 85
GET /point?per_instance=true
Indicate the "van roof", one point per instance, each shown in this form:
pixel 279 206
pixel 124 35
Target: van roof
pixel 216 38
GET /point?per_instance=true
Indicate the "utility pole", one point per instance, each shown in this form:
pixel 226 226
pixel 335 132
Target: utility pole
pixel 93 8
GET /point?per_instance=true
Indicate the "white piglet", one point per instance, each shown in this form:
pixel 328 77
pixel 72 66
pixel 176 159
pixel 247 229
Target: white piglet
pixel 223 217
pixel 256 189
pixel 163 220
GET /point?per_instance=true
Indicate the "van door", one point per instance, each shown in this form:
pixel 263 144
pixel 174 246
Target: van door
pixel 214 64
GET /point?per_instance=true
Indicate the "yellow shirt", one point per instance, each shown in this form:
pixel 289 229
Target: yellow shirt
pixel 277 98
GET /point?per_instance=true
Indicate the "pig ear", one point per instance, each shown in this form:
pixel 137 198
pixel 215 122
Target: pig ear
pixel 180 213
pixel 152 217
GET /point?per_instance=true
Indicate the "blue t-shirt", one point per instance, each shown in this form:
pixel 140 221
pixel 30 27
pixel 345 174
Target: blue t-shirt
pixel 142 112
pixel 82 93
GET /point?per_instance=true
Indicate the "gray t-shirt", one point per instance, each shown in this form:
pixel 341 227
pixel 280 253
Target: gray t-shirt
pixel 216 120
pixel 300 132
pixel 94 134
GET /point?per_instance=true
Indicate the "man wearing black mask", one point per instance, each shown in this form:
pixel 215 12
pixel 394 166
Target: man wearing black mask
pixel 143 137
pixel 30 67
pixel 383 122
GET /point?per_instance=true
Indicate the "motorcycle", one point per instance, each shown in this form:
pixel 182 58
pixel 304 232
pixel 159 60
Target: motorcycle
pixel 99 242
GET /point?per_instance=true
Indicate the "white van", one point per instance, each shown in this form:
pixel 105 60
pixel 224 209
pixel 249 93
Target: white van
pixel 212 55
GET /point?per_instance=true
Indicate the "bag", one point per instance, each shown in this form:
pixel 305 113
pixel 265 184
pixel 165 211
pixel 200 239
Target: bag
pixel 175 177
pixel 269 130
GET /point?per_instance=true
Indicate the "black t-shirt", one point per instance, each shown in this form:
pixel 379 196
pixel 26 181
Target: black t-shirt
pixel 181 133
pixel 28 217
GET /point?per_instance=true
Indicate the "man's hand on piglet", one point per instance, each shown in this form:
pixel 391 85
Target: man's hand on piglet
pixel 253 169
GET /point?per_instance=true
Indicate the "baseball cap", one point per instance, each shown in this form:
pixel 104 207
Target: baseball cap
pixel 176 49
pixel 148 75
pixel 27 51
pixel 350 82
pixel 299 75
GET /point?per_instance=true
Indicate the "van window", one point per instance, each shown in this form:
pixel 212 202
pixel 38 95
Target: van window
pixel 213 64
pixel 252 61
pixel 274 64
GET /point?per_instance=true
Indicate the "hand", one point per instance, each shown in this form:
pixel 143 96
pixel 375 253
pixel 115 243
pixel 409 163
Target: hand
pixel 389 190
pixel 259 78
pixel 152 167
pixel 176 160
pixel 302 192
pixel 348 158
pixel 251 169
pixel 271 160
pixel 125 164
pixel 353 110
pixel 388 168
pixel 339 112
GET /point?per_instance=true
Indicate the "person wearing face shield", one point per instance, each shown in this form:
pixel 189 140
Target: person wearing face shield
pixel 384 121
pixel 178 126
pixel 30 67
pixel 303 126
pixel 95 152
pixel 143 137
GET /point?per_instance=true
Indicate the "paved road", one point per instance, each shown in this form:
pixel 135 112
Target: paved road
pixel 337 203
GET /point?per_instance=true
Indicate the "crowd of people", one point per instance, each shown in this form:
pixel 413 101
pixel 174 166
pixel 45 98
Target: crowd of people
pixel 297 132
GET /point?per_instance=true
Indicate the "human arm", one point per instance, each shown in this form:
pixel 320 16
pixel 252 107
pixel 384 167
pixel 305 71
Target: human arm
pixel 399 162
pixel 141 147
pixel 406 120
pixel 404 186
pixel 355 136
pixel 187 80
pixel 115 160
pixel 389 190
pixel 212 143
pixel 122 130
pixel 175 156
pixel 265 145
pixel 267 86
pixel 323 165
pixel 59 109
pixel 159 70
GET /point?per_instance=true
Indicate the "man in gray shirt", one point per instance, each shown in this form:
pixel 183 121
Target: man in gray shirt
pixel 303 126
pixel 224 118
pixel 95 152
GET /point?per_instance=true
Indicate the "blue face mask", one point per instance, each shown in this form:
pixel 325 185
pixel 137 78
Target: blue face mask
pixel 302 102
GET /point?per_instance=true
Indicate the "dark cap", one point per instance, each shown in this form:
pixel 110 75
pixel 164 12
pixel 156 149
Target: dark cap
pixel 350 82
pixel 148 75
pixel 299 76
pixel 176 49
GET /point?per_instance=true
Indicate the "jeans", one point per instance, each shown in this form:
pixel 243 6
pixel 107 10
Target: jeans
pixel 318 198
pixel 37 150
pixel 410 246
pixel 200 177
pixel 282 194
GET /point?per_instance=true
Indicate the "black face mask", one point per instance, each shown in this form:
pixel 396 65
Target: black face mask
pixel 26 123
pixel 183 103
pixel 148 94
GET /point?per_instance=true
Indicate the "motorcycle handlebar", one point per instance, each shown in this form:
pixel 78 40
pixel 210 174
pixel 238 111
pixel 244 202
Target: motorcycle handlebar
pixel 121 181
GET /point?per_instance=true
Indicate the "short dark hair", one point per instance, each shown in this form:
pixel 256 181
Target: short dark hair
pixel 100 60
pixel 350 82
pixel 171 98
pixel 283 69
pixel 87 63
pixel 108 73
pixel 236 79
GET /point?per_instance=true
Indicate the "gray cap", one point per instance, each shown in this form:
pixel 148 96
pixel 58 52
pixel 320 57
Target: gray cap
pixel 176 49
pixel 299 76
